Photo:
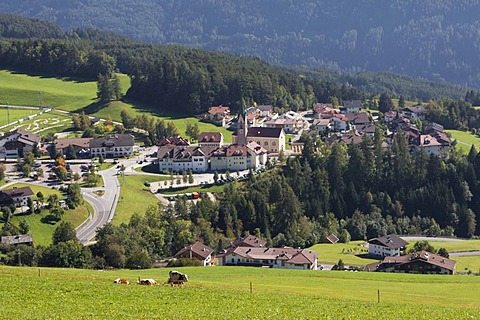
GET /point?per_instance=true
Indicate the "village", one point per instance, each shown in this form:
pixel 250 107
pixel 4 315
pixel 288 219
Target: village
pixel 259 142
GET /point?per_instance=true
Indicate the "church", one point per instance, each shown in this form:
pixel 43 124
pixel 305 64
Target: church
pixel 271 139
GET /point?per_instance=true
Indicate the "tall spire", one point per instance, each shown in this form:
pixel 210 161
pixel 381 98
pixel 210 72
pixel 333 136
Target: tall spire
pixel 241 124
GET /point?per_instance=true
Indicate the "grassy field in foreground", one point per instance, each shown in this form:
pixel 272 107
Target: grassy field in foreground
pixel 42 232
pixel 220 292
pixel 465 140
pixel 134 196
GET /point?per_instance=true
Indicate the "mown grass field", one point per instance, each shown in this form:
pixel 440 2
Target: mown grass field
pixel 14 114
pixel 465 140
pixel 114 109
pixel 134 196
pixel 42 232
pixel 224 292
pixel 24 90
pixel 352 253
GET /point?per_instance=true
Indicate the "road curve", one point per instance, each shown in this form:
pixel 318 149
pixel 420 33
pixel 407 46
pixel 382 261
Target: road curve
pixel 103 207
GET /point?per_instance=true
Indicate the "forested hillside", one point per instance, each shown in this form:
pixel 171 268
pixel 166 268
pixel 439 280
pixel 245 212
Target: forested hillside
pixel 188 81
pixel 436 40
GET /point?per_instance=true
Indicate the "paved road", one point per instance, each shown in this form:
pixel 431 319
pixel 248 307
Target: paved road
pixel 103 207
pixel 420 238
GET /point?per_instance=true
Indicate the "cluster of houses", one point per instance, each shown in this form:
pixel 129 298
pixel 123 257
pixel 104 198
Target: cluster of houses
pixel 252 251
pixel 16 143
pixel 391 248
pixel 250 149
pixel 349 124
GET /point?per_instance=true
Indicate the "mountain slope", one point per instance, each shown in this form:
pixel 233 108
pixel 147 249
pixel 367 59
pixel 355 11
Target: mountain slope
pixel 430 39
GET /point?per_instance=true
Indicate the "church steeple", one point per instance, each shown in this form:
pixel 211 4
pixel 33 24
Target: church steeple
pixel 241 125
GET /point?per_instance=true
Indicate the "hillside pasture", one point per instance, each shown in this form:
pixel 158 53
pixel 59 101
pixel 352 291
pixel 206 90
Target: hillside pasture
pixel 113 109
pixel 35 90
pixel 276 294
pixel 465 140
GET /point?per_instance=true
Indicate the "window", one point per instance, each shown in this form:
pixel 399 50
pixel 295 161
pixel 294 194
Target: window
pixel 266 143
pixel 274 143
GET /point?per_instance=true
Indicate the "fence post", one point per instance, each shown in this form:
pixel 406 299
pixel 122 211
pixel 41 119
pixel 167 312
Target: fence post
pixel 378 296
pixel 251 287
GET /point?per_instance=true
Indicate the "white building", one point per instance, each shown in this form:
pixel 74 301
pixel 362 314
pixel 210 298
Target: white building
pixel 285 258
pixel 112 146
pixel 16 143
pixel 182 159
pixel 387 246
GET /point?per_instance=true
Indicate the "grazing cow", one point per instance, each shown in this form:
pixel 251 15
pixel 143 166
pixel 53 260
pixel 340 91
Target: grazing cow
pixel 121 281
pixel 175 277
pixel 147 282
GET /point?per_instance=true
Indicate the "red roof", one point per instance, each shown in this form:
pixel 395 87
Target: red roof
pixel 219 109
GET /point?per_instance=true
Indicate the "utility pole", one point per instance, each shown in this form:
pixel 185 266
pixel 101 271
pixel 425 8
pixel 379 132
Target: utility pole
pixel 8 114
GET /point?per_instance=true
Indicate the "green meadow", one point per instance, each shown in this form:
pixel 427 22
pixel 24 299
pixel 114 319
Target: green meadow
pixel 13 114
pixel 465 140
pixel 235 293
pixel 352 253
pixel 34 90
pixel 42 231
pixel 135 197
pixel 113 110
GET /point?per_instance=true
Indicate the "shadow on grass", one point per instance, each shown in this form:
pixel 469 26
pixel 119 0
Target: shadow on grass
pixel 367 256
pixel 51 76
pixel 50 219
pixel 91 108
pixel 150 168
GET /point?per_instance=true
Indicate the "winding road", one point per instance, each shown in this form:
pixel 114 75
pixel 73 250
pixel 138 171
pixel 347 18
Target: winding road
pixel 103 207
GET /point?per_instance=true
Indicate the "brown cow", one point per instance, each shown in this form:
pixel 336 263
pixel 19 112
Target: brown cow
pixel 121 281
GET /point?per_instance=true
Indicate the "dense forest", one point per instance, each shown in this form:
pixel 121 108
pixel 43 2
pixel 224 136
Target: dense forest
pixel 436 40
pixel 188 81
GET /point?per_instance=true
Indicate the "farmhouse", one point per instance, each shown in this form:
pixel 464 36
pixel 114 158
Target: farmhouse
pixel 387 246
pixel 286 258
pixel 196 251
pixel 351 106
pixel 80 145
pixel 16 143
pixel 249 241
pixel 18 196
pixel 414 112
pixel 218 115
pixel 113 146
pixel 418 262
pixel 265 110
